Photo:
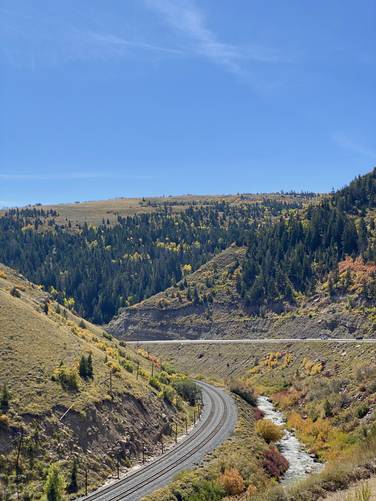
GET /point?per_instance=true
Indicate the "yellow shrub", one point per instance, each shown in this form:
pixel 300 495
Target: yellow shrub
pixel 232 482
pixel 4 421
pixel 312 367
pixel 3 274
pixel 319 435
pixel 114 366
pixel 277 359
pixel 269 431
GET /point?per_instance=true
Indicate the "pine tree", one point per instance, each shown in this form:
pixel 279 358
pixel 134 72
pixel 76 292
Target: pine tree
pixel 90 371
pixel 83 367
pixel 328 410
pixel 196 296
pixel 73 483
pixel 4 398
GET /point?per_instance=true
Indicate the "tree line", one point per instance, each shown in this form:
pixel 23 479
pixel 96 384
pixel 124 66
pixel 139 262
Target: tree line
pixel 97 270
pixel 291 255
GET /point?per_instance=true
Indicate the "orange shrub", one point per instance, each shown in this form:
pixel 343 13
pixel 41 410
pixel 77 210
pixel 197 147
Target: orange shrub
pixel 232 482
pixel 251 491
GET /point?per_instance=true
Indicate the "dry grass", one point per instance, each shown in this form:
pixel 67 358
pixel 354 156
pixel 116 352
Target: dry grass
pixel 93 212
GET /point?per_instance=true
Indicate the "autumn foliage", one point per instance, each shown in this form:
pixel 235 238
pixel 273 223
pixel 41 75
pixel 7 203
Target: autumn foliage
pixel 274 463
pixel 232 482
pixel 269 431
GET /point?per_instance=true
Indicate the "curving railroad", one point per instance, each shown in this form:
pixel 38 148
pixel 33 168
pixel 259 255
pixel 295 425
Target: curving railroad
pixel 216 423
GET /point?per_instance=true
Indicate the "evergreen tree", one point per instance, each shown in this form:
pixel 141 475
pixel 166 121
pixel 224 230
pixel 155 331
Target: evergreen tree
pixel 90 371
pixel 83 368
pixel 4 398
pixel 196 296
pixel 73 481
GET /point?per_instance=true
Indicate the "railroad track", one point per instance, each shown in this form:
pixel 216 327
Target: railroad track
pixel 216 423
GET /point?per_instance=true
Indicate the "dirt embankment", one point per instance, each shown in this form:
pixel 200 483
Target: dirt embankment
pixel 229 321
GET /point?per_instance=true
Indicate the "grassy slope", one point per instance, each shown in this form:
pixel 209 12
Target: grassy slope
pixel 32 346
pixel 93 212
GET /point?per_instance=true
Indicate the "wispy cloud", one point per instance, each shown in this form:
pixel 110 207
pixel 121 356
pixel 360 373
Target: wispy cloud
pixel 185 18
pixel 32 40
pixel 118 43
pixel 350 144
pixel 70 176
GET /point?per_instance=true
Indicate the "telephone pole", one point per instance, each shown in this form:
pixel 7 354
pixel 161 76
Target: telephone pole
pixel 86 475
pixel 19 453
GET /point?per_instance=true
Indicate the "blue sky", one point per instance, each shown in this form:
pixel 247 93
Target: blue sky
pixel 112 98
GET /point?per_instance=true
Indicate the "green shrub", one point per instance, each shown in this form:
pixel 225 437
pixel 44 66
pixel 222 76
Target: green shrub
pixel 67 377
pixel 362 411
pixel 128 366
pixel 107 335
pixel 168 368
pixel 200 490
pixel 188 390
pixel 163 377
pixel 154 382
pixel 168 394
pixel 54 486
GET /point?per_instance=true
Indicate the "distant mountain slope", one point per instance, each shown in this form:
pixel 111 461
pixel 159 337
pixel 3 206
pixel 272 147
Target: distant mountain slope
pixel 308 273
pixel 107 266
pixel 208 304
pixel 47 393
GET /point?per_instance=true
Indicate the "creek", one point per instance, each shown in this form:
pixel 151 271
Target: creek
pixel 301 463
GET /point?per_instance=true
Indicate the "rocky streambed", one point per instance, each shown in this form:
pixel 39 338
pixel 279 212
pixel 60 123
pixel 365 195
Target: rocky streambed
pixel 301 463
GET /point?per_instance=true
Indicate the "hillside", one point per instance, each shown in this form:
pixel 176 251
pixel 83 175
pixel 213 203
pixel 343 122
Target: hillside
pixel 54 408
pixel 308 273
pixel 96 211
pixel 219 311
pixel 108 266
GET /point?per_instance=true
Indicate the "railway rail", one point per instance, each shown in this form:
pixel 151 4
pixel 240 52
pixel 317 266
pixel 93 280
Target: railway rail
pixel 216 423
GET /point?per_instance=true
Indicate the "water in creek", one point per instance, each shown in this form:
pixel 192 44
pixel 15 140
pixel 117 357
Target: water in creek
pixel 300 462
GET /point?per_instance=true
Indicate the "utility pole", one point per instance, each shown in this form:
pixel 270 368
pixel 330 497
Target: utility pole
pixel 162 443
pixel 194 417
pixel 186 424
pixel 118 469
pixel 19 453
pixel 138 369
pixel 86 475
pixel 176 433
pixel 152 369
pixel 143 453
